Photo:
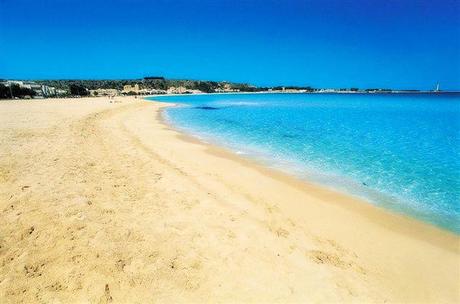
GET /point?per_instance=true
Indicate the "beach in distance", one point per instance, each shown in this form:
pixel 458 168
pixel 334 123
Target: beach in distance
pixel 127 200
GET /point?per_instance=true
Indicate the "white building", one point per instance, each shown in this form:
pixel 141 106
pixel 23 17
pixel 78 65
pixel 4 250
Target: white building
pixel 39 89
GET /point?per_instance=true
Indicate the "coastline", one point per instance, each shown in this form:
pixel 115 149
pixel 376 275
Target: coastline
pixel 374 187
pixel 379 215
pixel 111 204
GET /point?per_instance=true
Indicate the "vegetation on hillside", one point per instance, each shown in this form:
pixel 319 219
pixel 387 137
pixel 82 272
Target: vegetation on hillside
pixel 149 83
pixel 16 91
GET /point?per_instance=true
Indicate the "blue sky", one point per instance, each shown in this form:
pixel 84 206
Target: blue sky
pixel 328 43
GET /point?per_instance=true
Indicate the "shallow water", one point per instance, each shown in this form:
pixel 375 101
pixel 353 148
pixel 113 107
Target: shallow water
pixel 399 151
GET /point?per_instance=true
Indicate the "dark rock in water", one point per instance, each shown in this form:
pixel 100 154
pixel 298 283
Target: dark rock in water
pixel 364 184
pixel 206 108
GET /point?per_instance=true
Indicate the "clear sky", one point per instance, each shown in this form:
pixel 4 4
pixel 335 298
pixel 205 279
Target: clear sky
pixel 322 43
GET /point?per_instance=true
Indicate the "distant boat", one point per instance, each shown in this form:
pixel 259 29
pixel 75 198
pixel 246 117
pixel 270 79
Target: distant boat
pixel 437 88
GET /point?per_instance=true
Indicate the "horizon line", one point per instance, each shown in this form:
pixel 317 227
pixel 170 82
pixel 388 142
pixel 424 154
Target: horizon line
pixel 230 81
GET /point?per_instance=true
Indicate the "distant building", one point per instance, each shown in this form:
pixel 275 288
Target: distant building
pixel 131 88
pixel 104 92
pixel 326 91
pixel 48 91
pixel 226 88
pixel 157 92
pixel 182 90
pixel 39 89
pixel 61 92
pixel 178 90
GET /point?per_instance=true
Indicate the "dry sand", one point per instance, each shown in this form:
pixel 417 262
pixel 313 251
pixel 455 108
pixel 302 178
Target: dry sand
pixel 102 202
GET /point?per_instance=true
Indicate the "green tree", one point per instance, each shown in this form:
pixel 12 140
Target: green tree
pixel 79 90
pixel 4 92
pixel 19 91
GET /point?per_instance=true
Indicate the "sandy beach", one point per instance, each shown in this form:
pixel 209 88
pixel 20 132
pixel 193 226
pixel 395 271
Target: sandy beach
pixel 103 202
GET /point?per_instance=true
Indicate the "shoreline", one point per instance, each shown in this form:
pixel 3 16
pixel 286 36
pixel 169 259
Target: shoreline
pixel 339 189
pixel 356 203
pixel 104 202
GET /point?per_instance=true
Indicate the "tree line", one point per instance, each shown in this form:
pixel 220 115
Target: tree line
pixel 81 87
pixel 15 91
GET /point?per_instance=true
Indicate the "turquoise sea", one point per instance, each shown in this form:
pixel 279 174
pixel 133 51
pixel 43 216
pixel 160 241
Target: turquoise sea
pixel 398 151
